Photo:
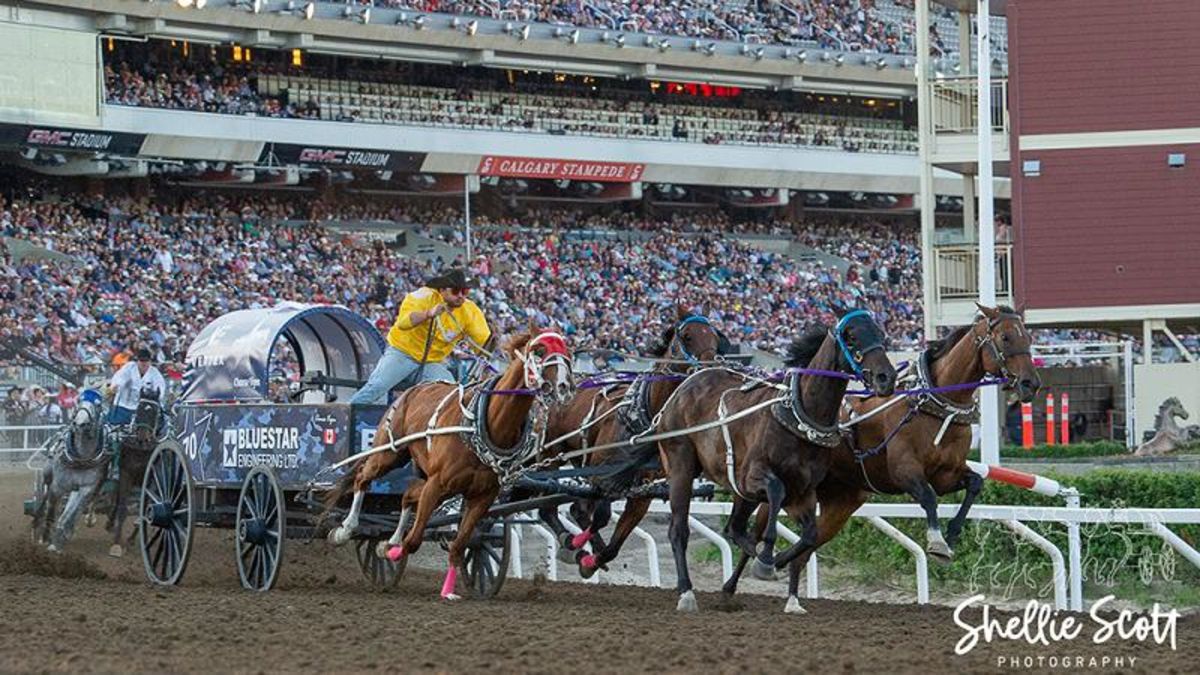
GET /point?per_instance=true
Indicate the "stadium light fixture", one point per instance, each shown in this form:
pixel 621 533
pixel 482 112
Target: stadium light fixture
pixel 620 41
pixel 880 63
pixel 192 4
pixel 307 10
pixel 573 37
pixel 664 44
pixel 710 49
pixel 523 32
pixel 252 6
pixel 826 56
pixel 605 37
pixel 362 16
pixel 648 41
pixel 839 59
pixel 759 54
pixel 802 55
pixel 472 28
pixel 744 49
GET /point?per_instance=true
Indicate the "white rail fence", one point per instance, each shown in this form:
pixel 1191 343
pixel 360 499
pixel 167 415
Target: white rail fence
pixel 19 442
pixel 1067 577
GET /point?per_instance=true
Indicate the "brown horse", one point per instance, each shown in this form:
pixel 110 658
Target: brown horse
pixel 135 444
pixel 919 449
pixel 502 431
pixel 775 448
pixel 618 413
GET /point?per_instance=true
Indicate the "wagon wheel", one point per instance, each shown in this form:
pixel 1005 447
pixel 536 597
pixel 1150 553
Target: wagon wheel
pixel 260 528
pixel 166 510
pixel 381 572
pixel 487 557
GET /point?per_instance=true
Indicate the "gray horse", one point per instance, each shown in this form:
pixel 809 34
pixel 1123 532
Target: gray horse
pixel 78 465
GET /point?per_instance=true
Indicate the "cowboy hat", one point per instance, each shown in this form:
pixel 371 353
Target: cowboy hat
pixel 452 278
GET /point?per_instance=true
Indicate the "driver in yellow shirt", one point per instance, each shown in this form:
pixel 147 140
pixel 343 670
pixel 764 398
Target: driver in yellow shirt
pixel 431 320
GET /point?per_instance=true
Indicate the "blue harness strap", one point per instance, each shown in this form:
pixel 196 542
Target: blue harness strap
pixel 683 350
pixel 839 329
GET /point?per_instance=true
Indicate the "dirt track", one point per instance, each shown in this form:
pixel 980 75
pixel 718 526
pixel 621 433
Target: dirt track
pixel 324 617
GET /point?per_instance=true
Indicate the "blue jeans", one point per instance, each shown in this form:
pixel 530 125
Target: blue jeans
pixel 119 415
pixel 395 367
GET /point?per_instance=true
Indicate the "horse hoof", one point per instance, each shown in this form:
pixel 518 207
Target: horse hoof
pixel 940 552
pixel 687 603
pixel 89 520
pixel 451 597
pixel 588 566
pixel 338 536
pixel 793 606
pixel 54 549
pixel 763 571
pixel 115 551
pixel 565 555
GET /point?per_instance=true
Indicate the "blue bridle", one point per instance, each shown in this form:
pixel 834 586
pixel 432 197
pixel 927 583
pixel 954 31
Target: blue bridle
pixel 838 331
pixel 679 331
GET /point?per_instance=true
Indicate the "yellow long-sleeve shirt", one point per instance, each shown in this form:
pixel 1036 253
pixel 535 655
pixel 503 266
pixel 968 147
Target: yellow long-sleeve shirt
pixel 466 320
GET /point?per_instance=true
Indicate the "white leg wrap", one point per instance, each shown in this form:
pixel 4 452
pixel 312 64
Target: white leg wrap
pixel 793 606
pixel 687 603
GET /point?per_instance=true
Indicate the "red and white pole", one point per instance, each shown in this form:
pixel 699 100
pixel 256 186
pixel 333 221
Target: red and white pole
pixel 1064 417
pixel 1049 419
pixel 1026 425
pixel 1034 483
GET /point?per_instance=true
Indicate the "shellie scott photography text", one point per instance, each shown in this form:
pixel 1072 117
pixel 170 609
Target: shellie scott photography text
pixel 1040 625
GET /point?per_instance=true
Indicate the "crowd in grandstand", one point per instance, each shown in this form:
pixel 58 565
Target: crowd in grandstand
pixel 154 269
pixel 161 77
pixel 832 24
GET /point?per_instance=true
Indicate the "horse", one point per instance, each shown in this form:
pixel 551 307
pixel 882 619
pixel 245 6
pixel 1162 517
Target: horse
pixel 616 413
pixel 762 446
pixel 78 465
pixel 1168 436
pixel 134 445
pixel 503 437
pixel 919 449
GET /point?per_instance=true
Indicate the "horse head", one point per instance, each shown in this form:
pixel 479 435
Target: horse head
pixel 86 430
pixel 1005 345
pixel 147 418
pixel 692 339
pixel 1172 408
pixel 547 363
pixel 861 350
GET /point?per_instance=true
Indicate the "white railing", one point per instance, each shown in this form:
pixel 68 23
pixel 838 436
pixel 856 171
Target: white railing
pixel 1067 570
pixel 956 271
pixel 955 105
pixel 24 440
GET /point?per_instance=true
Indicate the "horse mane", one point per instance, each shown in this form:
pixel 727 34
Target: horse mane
pixel 802 350
pixel 515 342
pixel 939 348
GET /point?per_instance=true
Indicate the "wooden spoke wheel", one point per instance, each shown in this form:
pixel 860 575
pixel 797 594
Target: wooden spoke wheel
pixel 487 558
pixel 260 527
pixel 166 514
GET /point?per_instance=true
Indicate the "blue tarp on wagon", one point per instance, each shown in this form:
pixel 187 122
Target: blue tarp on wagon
pixel 231 358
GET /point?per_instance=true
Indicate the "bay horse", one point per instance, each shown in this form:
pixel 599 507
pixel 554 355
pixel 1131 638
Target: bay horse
pixel 134 445
pixel 775 449
pixel 919 449
pixel 77 467
pixel 461 464
pixel 618 413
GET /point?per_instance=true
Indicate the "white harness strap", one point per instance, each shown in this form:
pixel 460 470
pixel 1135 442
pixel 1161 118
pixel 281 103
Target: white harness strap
pixel 730 473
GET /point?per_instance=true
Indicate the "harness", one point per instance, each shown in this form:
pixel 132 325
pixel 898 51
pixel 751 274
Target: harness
pixel 506 463
pixel 791 415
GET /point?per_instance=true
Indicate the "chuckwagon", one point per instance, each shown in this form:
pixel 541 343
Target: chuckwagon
pixel 249 455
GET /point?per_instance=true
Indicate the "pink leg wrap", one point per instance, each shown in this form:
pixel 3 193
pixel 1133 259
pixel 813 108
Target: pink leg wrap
pixel 588 561
pixel 451 579
pixel 580 539
pixel 395 553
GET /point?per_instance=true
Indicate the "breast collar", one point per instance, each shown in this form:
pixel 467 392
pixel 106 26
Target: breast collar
pixel 791 414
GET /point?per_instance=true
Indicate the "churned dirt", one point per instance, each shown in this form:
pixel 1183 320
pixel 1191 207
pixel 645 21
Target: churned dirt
pixel 85 612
